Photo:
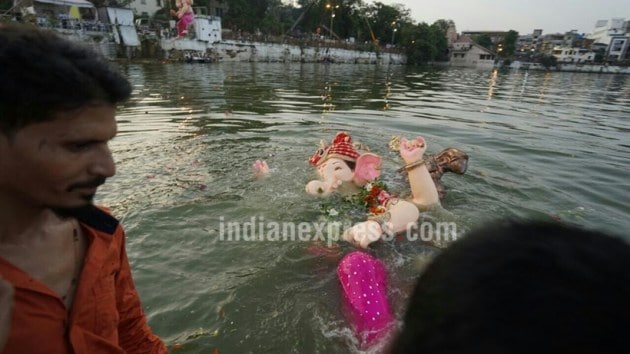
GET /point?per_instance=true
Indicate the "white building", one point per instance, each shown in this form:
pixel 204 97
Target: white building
pixel 466 53
pixel 147 8
pixel 606 30
pixel 573 55
pixel 619 49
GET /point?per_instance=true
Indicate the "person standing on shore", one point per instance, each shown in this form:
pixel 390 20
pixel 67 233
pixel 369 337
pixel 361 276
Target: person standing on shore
pixel 65 280
pixel 185 16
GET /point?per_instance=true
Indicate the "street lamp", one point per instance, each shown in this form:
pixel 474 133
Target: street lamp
pixel 395 28
pixel 332 16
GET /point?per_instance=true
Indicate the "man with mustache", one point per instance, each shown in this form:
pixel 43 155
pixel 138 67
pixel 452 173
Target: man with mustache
pixel 65 281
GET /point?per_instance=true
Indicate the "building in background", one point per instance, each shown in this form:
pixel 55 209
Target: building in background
pixel 148 8
pixel 619 49
pixel 612 38
pixel 528 44
pixel 451 33
pixel 108 30
pixel 466 53
pixel 572 55
pixel 497 37
pixel 606 30
pixel 549 42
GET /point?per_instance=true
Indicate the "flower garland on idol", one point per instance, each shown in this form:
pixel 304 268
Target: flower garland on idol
pixel 371 198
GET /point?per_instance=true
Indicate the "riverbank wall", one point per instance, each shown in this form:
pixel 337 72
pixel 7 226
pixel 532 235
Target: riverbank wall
pixel 231 50
pixel 593 68
pixel 578 68
pixel 234 51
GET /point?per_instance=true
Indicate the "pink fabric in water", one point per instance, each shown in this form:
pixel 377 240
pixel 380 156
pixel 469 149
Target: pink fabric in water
pixel 364 284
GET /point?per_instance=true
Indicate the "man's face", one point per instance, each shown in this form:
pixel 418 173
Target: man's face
pixel 59 163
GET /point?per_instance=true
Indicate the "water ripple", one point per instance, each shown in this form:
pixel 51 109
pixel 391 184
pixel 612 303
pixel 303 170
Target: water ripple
pixel 541 145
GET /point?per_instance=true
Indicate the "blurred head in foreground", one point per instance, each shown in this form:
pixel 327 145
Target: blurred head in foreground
pixel 522 288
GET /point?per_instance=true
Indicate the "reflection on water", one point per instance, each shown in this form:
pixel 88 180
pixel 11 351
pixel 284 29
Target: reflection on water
pixel 542 145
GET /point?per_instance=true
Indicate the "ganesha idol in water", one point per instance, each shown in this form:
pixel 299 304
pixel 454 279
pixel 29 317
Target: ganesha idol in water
pixel 345 169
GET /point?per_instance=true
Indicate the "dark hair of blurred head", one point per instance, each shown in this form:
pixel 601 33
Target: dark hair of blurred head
pixel 521 287
pixel 42 74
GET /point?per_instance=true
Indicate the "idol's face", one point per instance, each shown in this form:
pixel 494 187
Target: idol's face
pixel 335 169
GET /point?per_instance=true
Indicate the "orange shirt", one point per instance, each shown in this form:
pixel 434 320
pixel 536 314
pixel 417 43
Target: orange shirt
pixel 106 315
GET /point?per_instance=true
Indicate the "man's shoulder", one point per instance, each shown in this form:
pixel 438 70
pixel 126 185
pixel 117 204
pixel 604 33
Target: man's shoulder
pixel 100 219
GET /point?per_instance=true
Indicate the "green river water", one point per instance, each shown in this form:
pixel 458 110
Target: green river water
pixel 541 146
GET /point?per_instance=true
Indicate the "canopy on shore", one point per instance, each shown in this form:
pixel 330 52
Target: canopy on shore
pixel 77 3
